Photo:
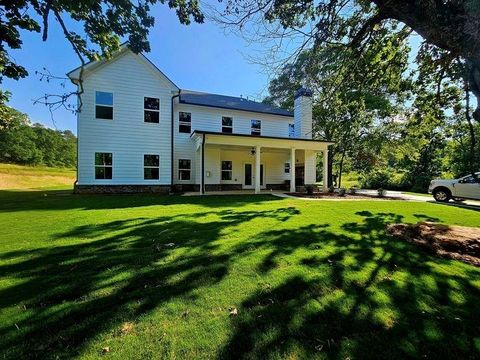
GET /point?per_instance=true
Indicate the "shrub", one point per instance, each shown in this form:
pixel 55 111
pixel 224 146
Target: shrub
pixel 331 189
pixel 352 191
pixel 342 192
pixel 383 178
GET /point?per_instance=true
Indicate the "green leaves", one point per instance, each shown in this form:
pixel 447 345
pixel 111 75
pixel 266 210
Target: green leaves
pixel 104 24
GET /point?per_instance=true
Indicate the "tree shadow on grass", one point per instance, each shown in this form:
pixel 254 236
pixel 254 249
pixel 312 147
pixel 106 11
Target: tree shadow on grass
pixel 11 201
pixel 122 270
pixel 366 296
pixel 334 293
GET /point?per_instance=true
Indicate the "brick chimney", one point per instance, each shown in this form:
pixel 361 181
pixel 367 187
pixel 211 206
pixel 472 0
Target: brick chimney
pixel 303 113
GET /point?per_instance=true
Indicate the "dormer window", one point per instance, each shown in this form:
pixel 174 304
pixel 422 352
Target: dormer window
pixel 227 124
pixel 103 105
pixel 256 127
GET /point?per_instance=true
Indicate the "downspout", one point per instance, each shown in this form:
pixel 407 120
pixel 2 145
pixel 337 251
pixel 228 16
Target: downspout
pixel 78 154
pixel 203 164
pixel 172 140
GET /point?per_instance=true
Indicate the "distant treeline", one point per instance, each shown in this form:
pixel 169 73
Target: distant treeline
pixel 22 142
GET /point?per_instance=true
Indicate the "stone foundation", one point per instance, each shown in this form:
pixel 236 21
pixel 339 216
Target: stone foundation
pixel 121 189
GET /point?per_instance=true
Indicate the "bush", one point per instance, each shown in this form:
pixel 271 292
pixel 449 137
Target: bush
pixel 331 189
pixel 309 189
pixel 342 192
pixel 383 178
pixel 352 190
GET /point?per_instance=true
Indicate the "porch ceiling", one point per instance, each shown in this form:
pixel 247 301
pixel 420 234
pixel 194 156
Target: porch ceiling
pixel 239 140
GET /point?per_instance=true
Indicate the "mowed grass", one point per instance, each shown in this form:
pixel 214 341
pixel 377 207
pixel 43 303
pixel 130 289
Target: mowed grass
pixel 140 277
pixel 35 177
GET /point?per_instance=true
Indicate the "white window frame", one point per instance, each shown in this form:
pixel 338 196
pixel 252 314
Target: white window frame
pixel 184 169
pixel 112 106
pixel 226 126
pixel 151 110
pixel 287 168
pixel 101 166
pixel 180 123
pixel 253 131
pixel 226 171
pixel 151 167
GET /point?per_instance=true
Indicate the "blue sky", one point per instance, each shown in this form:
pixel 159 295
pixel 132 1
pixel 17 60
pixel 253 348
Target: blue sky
pixel 197 57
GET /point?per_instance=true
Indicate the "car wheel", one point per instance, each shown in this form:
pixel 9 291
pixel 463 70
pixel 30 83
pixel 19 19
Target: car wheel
pixel 442 195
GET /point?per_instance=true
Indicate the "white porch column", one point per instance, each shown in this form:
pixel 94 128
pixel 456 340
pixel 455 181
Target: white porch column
pixel 257 169
pixel 325 170
pixel 292 170
pixel 310 170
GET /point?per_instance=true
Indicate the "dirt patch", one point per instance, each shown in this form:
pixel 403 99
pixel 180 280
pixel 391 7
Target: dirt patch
pixel 336 196
pixel 452 242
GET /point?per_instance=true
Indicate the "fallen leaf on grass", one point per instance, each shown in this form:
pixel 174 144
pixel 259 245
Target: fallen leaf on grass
pixel 106 349
pixel 233 312
pixel 127 327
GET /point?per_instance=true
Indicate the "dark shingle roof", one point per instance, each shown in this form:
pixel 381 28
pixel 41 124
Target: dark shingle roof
pixel 229 102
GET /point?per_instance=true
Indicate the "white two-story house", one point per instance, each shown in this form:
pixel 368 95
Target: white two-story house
pixel 139 132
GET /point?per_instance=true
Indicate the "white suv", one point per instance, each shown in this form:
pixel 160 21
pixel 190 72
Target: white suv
pixel 467 187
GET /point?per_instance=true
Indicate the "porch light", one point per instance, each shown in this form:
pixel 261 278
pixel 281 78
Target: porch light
pixel 253 152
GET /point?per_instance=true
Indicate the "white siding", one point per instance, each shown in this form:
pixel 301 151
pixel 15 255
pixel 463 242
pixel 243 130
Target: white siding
pixel 210 119
pixel 127 136
pixel 273 162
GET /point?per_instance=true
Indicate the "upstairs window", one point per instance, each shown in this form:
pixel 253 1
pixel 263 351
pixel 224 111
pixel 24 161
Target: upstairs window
pixel 184 122
pixel 103 165
pixel 151 110
pixel 227 124
pixel 151 167
pixel 226 170
pixel 287 168
pixel 184 169
pixel 291 130
pixel 256 127
pixel 103 105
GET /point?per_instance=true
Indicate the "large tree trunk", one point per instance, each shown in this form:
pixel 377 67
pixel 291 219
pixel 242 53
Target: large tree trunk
pixel 471 128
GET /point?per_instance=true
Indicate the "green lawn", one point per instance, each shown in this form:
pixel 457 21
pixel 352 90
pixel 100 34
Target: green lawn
pixel 310 279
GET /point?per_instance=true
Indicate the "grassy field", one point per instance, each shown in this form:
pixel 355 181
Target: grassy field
pixel 130 277
pixel 33 178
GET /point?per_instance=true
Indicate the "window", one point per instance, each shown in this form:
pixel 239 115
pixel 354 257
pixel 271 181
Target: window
pixel 469 180
pixel 151 167
pixel 287 168
pixel 184 122
pixel 226 170
pixel 227 124
pixel 151 110
pixel 103 165
pixel 256 127
pixel 103 105
pixel 184 166
pixel 291 130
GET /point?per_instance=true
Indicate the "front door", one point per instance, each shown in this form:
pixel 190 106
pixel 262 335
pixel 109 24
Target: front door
pixel 249 178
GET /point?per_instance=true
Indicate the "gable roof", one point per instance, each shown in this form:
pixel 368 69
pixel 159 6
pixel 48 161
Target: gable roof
pixel 124 48
pixel 229 102
pixel 187 96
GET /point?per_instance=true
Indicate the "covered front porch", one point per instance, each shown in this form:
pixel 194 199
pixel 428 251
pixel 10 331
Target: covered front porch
pixel 234 162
